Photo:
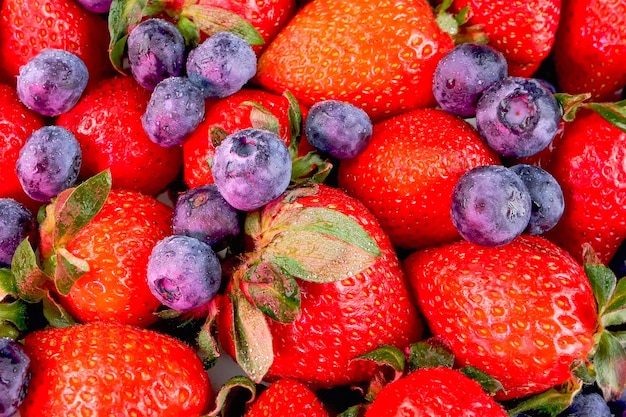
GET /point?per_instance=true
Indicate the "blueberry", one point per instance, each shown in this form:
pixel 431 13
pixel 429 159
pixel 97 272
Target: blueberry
pixel 183 272
pixel 203 213
pixel 221 65
pixel 588 405
pixel 156 51
pixel 546 195
pixel 14 376
pixel 490 205
pixel 52 82
pixel 463 74
pixel 251 167
pixel 96 6
pixel 48 163
pixel 175 110
pixel 338 128
pixel 16 224
pixel 518 116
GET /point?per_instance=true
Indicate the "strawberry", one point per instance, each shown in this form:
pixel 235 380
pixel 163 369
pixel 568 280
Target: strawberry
pixel 412 200
pixel 95 245
pixel 590 48
pixel 17 123
pixel 524 31
pixel 319 286
pixel 434 392
pixel 107 124
pixel 593 178
pixel 378 56
pixel 113 369
pixel 28 26
pixel 227 116
pixel 524 312
pixel 287 398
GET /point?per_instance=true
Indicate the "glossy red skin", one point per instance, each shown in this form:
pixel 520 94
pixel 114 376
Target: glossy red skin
pixel 342 320
pixel 589 165
pixel 107 124
pixel 17 123
pixel 111 369
pixel 28 26
pixel 522 312
pixel 524 31
pixel 412 200
pixel 429 392
pixel 590 48
pixel 229 115
pixel 379 56
pixel 287 398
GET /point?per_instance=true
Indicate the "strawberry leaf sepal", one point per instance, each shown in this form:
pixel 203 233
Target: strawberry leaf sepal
pixel 55 314
pixel 30 281
pixel 354 411
pixel 612 112
pixel 490 384
pixel 550 403
pixel 390 365
pixel 429 353
pixel 208 346
pixel 238 389
pixel 609 365
pixel 14 314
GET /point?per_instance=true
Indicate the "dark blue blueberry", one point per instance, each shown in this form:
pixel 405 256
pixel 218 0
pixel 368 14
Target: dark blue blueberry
pixel 221 65
pixel 588 405
pixel 14 376
pixel 52 82
pixel 463 74
pixel 96 6
pixel 338 128
pixel 156 51
pixel 48 163
pixel 518 116
pixel 16 224
pixel 174 111
pixel 183 272
pixel 251 168
pixel 546 195
pixel 203 213
pixel 490 205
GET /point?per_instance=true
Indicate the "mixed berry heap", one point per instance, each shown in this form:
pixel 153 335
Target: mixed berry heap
pixel 359 208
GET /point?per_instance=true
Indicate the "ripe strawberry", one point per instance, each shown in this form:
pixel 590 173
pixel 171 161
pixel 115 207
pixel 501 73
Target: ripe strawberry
pixel 524 31
pixel 28 26
pixel 378 56
pixel 412 200
pixel 287 398
pixel 112 369
pixel 107 124
pixel 115 245
pixel 434 392
pixel 593 178
pixel 523 312
pixel 17 123
pixel 227 116
pixel 590 47
pixel 320 286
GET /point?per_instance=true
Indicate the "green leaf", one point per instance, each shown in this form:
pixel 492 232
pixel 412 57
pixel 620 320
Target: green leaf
pixel 123 16
pixel 570 104
pixel 217 135
pixel 551 402
pixel 69 269
pixel 354 411
pixel 310 168
pixel 429 354
pixel 262 118
pixel 603 282
pixel 14 313
pixel 490 384
pixel 231 390
pixel 386 355
pixel 56 315
pixel 610 365
pixel 274 293
pixel 614 313
pixel 621 337
pixel 614 113
pixel 211 20
pixel 82 204
pixel 207 343
pixel 7 283
pixel 190 32
pixel 253 339
pixel 30 280
pixel 295 124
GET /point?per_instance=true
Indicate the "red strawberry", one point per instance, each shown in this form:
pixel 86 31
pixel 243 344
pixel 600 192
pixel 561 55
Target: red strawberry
pixel 227 116
pixel 107 124
pixel 434 392
pixel 590 47
pixel 28 26
pixel 115 245
pixel 320 286
pixel 108 369
pixel 17 123
pixel 378 56
pixel 523 312
pixel 592 175
pixel 523 31
pixel 287 398
pixel 412 200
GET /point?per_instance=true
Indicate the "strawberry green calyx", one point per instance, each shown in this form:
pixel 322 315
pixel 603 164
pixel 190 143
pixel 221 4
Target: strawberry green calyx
pixel 455 24
pixel 612 112
pixel 237 389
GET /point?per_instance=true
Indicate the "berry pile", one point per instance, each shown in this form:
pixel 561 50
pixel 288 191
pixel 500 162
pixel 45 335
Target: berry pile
pixel 319 208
